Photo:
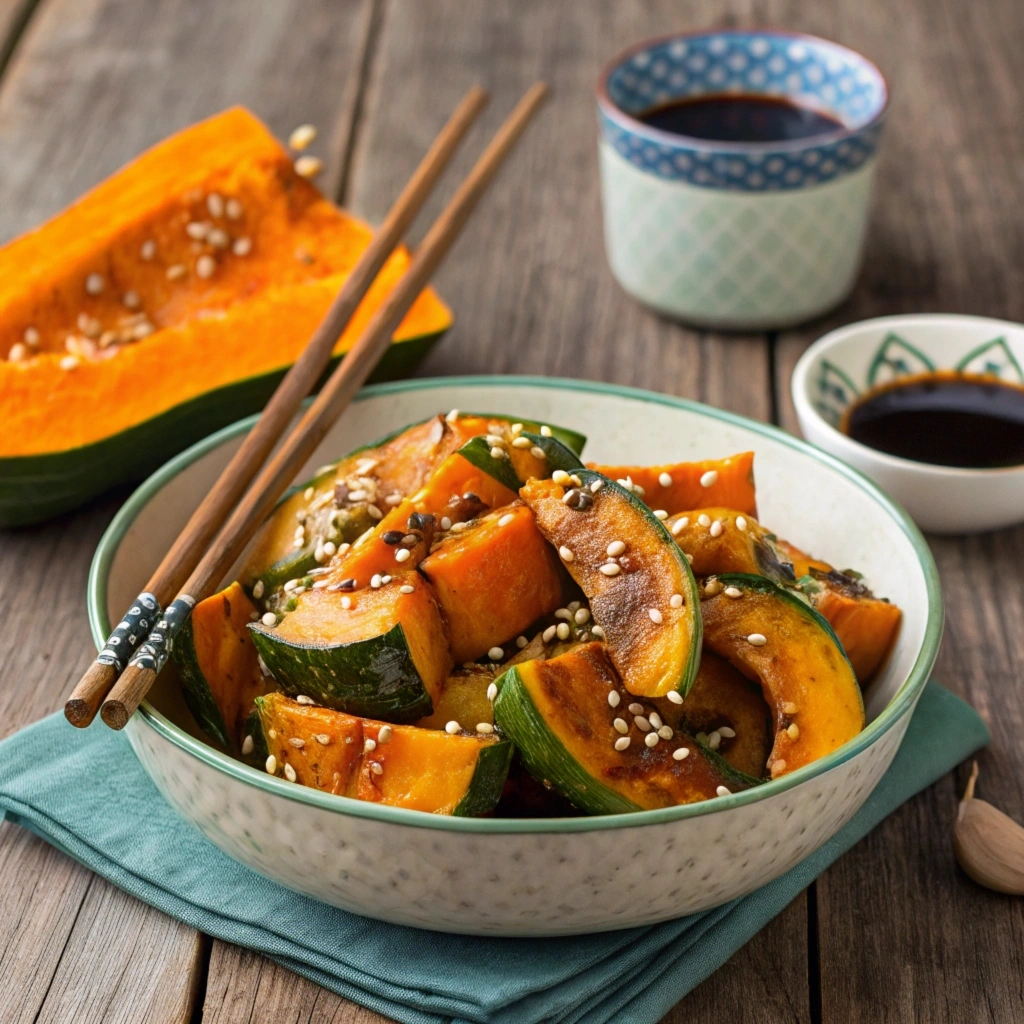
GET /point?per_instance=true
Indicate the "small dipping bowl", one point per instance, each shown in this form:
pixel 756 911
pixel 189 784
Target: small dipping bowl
pixel 848 362
pixel 738 235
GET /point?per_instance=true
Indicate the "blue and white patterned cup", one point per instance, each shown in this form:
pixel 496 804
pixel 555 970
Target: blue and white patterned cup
pixel 738 235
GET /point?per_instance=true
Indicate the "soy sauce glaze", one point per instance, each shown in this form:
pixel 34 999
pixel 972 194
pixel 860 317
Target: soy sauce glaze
pixel 943 418
pixel 739 118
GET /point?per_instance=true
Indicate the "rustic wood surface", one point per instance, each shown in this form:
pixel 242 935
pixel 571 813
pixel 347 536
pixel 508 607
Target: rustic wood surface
pixel 893 931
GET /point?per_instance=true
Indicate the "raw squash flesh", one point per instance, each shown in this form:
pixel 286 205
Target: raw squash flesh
pixel 218 666
pixel 557 714
pixel 644 597
pixel 396 765
pixel 737 544
pixel 774 637
pixel 493 579
pixel 728 483
pixel 194 275
pixel 381 652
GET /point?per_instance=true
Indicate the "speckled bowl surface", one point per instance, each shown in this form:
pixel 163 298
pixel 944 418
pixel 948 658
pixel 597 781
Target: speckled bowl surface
pixel 542 876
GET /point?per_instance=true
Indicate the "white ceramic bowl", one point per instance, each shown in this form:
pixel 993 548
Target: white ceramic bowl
pixel 542 877
pixel 850 360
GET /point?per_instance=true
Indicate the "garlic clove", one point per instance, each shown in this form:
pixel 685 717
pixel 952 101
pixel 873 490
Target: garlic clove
pixel 989 845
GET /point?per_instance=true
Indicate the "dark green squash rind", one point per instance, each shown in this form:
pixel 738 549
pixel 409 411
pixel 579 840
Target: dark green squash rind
pixel 478 452
pixel 195 688
pixel 372 678
pixel 558 454
pixel 488 782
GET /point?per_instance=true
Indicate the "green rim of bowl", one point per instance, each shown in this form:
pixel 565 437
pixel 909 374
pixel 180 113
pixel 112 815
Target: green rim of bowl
pixel 900 704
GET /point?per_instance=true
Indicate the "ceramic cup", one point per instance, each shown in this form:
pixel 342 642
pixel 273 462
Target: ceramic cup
pixel 738 235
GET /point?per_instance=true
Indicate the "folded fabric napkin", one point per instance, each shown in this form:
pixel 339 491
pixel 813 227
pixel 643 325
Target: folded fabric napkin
pixel 84 792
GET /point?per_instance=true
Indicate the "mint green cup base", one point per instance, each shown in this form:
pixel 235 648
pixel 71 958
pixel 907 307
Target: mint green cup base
pixel 541 877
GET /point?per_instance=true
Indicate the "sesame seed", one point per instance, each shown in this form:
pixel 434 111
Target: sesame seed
pixel 405 588
pixel 726 733
pixel 197 229
pixel 676 601
pixel 598 631
pixel 492 692
pixel 545 431
pixel 303 699
pixel 247 745
pixel 271 765
pixel 218 238
pixel 549 634
pixel 642 723
pixel 369 746
pixel 498 453
pixel 522 442
pixel 561 477
pixel 269 619
pixel 452 728
pixel 723 791
pixel 459 527
pixel 385 579
pixel 616 548
pixel 563 613
pixel 357 495
pixel 301 137
pixel 215 204
pixel 496 654
pixel 614 698
pixel 679 525
pixel 622 743
pixel 485 727
pixel 206 265
pixel 596 486
pixel 562 630
pixel 446 523
pixel 346 602
pixel 233 208
pixel 452 416
pixel 402 555
pixel 517 428
pixel 713 587
pixel 271 734
pixel 308 166
pixel 308 493
pixel 576 480
pixel 704 519
pixel 621 726
pixel 635 709
pixel 716 528
pixel 741 523
pixel 665 732
pixel 176 271
pixel 506 519
pixel 322 738
pixel 778 767
pixel 521 642
pixel 651 739
pixel 581 616
pixel 384 734
pixel 610 569
pixel 655 720
pixel 757 639
pixel 793 731
pixel 18 352
pixel 376 768
pixel 242 246
pixel 675 696
pixel 148 249
pixel 297 742
pixel 715 740
pixel 689 557
pixel 680 753
pixel 710 478
pixel 567 555
pixel 393 499
pixel 538 453
pixel 789 708
pixel 94 284
pixel 660 514
pixel 656 617
pixel 131 300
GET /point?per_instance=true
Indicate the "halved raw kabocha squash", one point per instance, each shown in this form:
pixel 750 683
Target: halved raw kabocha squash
pixel 725 540
pixel 493 579
pixel 398 765
pixel 380 652
pixel 167 303
pixel 727 712
pixel 641 591
pixel 218 666
pixel 727 483
pixel 774 637
pixel 593 750
pixel 464 699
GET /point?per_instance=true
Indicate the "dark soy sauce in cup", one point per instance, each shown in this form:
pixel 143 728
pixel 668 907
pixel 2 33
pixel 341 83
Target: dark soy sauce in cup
pixel 945 418
pixel 739 118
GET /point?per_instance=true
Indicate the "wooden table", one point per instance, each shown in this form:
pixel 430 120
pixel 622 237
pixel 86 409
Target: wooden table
pixel 893 931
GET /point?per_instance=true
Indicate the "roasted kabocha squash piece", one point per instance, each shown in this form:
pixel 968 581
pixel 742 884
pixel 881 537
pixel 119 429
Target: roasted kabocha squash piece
pixel 725 711
pixel 777 639
pixel 464 699
pixel 218 666
pixel 724 540
pixel 641 591
pixel 381 652
pixel 578 731
pixel 397 765
pixel 493 579
pixel 726 483
pixel 167 303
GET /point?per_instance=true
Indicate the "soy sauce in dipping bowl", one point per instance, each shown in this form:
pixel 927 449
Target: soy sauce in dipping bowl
pixel 736 173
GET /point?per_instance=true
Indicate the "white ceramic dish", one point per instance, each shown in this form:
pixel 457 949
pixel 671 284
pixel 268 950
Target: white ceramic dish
pixel 552 876
pixel 850 360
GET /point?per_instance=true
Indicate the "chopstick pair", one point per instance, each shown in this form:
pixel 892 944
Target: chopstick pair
pixel 140 645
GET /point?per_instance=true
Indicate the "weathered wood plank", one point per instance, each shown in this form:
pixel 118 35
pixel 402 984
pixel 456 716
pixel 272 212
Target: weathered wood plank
pixel 903 934
pixel 89 86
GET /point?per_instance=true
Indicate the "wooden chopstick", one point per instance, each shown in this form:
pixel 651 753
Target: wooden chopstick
pixel 342 386
pixel 207 519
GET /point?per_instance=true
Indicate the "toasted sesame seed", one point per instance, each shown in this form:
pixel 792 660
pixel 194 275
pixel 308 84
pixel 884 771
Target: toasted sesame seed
pixel 635 708
pixel 402 555
pixel 789 708
pixel 384 734
pixel 176 271
pixel 148 249
pixel 656 617
pixel 452 416
pixel 614 698
pixel 197 230
pixel 724 791
pixel 498 453
pixel 269 619
pixel 247 745
pixel 459 527
pixel 733 592
pixel 715 739
pixel 581 616
pixel 233 208
pixel 506 519
pixel 521 642
pixel 704 519
pixel 496 654
pixel 307 494
pixel 452 727
pixel 549 634
pixel 538 453
pixel 297 742
pixel 492 691
pixel 376 580
pixel 405 588
pixel 713 587
pixel 651 739
pixel 676 601
pixel 206 265
pixel 675 696
pixel 576 480
pixel 357 495
pixel 215 204
pixel 271 765
pixel 793 731
pixel 561 477
pixel 566 554
pixel 741 523
pixel 516 428
pixel 665 732
pixel 131 300
pixel 369 746
pixel 301 137
pixel 485 727
pixel 303 699
pixel 242 246
pixel 522 442
pixel 660 514
pixel 94 284
pixel 757 639
pixel 18 352
pixel 622 743
pixel 642 723
pixel 616 548
pixel 778 767
pixel 598 631
pixel 385 579
pixel 655 720
pixel 218 238
pixel 681 753
pixel 322 738
pixel 272 734
pixel 679 525
pixel 377 768
pixel 545 431
pixel 346 602
pixel 689 557
pixel 716 528
pixel 563 613
pixel 710 478
pixel 308 166
pixel 393 499
pixel 611 569
pixel 621 726
pixel 596 486
pixel 726 733
pixel 562 630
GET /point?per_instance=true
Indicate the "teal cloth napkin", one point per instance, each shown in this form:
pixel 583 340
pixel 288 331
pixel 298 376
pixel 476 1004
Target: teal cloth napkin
pixel 84 792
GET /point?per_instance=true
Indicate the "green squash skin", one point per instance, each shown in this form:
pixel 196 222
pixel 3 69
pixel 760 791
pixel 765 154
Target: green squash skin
pixel 478 452
pixel 34 488
pixel 196 690
pixel 372 678
pixel 549 762
pixel 488 782
pixel 254 728
pixel 558 454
